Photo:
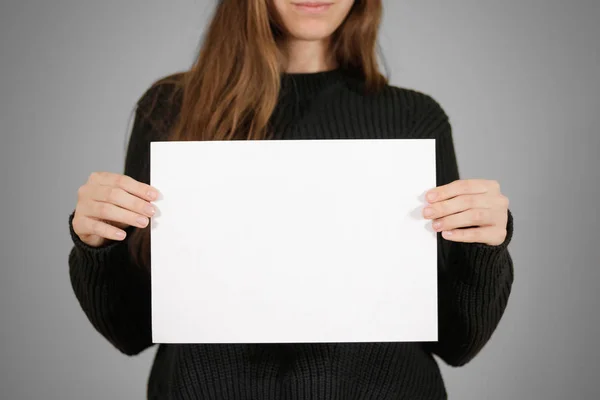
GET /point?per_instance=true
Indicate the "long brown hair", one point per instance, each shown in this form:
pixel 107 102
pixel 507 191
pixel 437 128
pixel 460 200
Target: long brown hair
pixel 232 89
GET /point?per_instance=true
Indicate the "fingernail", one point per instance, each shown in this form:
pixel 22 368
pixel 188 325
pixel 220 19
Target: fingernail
pixel 120 234
pixel 447 233
pixel 431 196
pixel 428 212
pixel 142 221
pixel 152 195
pixel 150 210
pixel 437 225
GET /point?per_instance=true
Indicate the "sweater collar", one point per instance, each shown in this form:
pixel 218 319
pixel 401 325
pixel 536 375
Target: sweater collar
pixel 309 84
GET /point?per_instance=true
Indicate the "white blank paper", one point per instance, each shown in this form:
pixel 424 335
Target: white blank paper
pixel 293 241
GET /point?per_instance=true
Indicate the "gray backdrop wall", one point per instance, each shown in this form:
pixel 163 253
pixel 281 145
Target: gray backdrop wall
pixel 520 80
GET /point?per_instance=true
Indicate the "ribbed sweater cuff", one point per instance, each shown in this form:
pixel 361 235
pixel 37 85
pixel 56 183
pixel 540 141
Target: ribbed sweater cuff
pixel 479 264
pixel 103 257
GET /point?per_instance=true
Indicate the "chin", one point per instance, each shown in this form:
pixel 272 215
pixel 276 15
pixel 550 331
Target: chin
pixel 310 32
pixel 311 19
pixel 310 29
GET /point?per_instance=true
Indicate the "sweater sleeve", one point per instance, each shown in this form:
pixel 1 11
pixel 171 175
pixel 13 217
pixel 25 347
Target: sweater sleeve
pixel 474 279
pixel 112 291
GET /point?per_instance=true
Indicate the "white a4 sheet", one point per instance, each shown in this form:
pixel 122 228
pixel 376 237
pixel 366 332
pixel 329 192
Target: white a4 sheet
pixel 293 241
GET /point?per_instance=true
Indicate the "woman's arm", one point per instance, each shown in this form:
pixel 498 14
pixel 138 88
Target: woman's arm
pixel 474 279
pixel 112 291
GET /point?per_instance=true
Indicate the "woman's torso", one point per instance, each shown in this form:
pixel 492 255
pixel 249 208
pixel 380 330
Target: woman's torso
pixel 315 106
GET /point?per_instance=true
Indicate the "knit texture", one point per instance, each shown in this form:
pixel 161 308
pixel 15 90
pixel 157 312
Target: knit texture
pixel 474 279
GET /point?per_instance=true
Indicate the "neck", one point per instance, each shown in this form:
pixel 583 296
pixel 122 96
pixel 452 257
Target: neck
pixel 304 56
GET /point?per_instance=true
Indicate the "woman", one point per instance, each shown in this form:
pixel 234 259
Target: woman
pixel 282 70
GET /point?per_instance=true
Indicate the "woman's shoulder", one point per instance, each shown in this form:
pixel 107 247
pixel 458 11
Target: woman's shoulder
pixel 415 100
pixel 162 99
pixel 405 109
pixel 410 102
pixel 159 105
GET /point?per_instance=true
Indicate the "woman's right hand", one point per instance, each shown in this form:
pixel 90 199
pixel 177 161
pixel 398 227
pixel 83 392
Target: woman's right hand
pixel 108 203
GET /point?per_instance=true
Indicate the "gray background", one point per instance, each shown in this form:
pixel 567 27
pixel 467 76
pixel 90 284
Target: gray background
pixel 520 80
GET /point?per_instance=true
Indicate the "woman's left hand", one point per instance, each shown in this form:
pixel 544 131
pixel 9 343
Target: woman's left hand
pixel 471 211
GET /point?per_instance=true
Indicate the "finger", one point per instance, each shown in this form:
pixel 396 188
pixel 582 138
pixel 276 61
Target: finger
pixel 126 183
pixel 465 219
pixel 90 226
pixel 123 199
pixel 490 235
pixel 113 213
pixel 456 205
pixel 457 188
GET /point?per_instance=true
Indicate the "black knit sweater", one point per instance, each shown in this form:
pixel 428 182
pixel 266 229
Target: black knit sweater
pixel 474 279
